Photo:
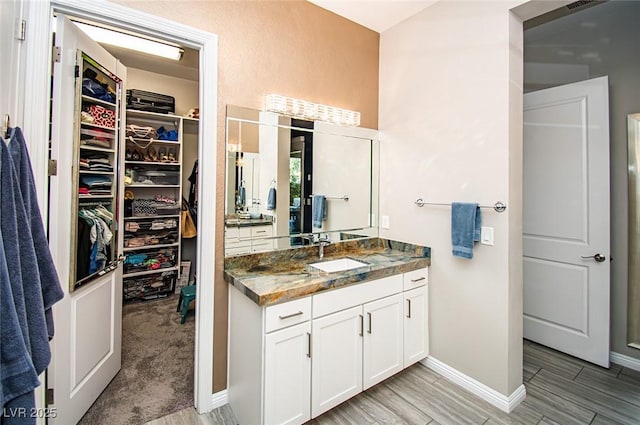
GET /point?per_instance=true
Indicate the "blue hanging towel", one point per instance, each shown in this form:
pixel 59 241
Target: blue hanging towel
pixel 17 373
pixel 465 228
pixel 319 210
pixel 242 196
pixel 48 276
pixel 271 199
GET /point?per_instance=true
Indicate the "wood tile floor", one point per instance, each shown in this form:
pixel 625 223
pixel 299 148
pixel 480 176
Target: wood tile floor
pixel 560 390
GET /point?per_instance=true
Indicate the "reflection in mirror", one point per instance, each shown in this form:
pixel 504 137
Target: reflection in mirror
pixel 633 311
pixel 290 182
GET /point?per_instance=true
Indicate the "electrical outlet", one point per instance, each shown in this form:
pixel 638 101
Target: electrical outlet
pixel 384 222
pixel 486 235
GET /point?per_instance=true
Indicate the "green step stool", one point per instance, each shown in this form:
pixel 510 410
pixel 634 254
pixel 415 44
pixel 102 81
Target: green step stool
pixel 187 294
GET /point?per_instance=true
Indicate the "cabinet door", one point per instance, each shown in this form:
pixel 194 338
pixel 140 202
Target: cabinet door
pixel 416 325
pixel 337 359
pixel 287 375
pixel 383 325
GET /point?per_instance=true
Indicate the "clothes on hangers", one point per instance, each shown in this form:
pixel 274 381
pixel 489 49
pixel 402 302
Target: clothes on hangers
pixel 94 240
pixel 32 278
pixel 193 187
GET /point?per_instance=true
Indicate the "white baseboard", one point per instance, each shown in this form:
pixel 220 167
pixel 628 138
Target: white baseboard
pixel 502 402
pixel 219 399
pixel 625 361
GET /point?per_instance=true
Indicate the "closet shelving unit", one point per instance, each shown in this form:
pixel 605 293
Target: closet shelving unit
pixel 153 170
pixel 96 158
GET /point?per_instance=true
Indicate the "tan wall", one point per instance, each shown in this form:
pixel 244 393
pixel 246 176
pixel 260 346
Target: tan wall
pixel 288 47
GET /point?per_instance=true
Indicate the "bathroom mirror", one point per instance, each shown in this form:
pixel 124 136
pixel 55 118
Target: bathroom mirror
pixel 290 182
pixel 633 311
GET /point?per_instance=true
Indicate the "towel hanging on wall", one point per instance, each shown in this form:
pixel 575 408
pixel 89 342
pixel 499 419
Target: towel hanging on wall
pixel 318 210
pixel 466 220
pixel 271 199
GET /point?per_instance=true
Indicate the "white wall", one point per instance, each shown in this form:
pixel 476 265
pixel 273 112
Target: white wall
pixel 342 166
pixel 447 79
pixel 184 91
pixel 274 148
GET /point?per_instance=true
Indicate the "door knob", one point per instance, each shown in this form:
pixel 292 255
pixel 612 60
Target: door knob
pixel 598 257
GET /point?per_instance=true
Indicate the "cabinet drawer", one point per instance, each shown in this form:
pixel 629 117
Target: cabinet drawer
pixel 415 278
pixel 237 250
pixel 360 293
pixel 286 314
pixel 261 231
pixel 261 246
pixel 237 232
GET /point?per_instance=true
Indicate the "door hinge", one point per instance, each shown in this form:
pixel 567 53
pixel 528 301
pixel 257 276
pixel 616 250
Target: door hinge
pixel 53 167
pixel 48 399
pixel 55 54
pixel 21 30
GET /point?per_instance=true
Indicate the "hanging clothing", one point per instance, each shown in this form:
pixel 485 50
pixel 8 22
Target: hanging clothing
pixel 193 187
pixel 94 240
pixel 32 277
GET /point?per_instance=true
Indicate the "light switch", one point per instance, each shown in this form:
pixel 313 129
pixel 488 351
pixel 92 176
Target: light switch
pixel 486 235
pixel 384 222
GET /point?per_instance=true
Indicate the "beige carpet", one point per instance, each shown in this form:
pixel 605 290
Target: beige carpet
pixel 156 378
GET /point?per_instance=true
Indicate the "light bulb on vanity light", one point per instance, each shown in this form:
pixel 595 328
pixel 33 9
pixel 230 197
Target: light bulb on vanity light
pixel 303 109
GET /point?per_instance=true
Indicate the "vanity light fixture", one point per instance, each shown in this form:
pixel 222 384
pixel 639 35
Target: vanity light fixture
pixel 306 110
pixel 120 39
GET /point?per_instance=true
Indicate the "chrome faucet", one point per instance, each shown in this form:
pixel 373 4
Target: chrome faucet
pixel 308 238
pixel 322 242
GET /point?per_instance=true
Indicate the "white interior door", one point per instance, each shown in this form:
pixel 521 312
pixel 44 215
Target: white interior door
pixel 13 63
pixel 566 219
pixel 87 345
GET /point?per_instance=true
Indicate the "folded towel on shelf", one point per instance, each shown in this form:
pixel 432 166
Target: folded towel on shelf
pixel 465 228
pixel 319 210
pixel 271 199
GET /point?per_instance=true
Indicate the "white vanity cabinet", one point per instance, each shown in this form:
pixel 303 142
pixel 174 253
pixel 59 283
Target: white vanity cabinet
pixel 382 344
pixel 293 361
pixel 337 359
pixel 416 316
pixel 247 239
pixel 287 375
pixel 356 348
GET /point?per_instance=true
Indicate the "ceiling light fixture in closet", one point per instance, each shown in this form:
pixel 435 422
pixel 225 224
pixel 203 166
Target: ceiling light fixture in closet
pixel 120 39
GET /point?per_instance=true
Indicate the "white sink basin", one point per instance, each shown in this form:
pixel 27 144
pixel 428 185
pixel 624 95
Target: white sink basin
pixel 339 265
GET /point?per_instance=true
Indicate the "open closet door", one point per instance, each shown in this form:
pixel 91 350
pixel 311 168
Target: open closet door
pixel 86 121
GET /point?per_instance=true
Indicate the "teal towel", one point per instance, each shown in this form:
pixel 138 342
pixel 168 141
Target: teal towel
pixel 465 228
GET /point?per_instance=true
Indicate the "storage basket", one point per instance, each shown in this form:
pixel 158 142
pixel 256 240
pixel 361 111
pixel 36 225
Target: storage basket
pixel 103 116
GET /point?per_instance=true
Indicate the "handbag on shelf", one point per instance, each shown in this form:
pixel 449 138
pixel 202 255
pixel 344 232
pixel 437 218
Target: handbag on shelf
pixel 187 225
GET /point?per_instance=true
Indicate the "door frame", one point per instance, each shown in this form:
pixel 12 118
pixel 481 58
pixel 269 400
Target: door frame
pixel 36 104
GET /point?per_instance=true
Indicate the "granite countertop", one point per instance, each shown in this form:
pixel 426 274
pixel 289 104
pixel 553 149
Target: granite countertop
pixel 243 222
pixel 279 276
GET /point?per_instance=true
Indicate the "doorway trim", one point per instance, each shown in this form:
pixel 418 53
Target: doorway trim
pixel 36 104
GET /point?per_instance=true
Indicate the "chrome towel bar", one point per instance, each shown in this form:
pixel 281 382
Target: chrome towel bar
pixel 343 197
pixel 498 206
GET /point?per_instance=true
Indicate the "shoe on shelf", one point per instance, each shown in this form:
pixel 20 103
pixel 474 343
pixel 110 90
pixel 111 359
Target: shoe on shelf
pixel 151 151
pixel 162 154
pixel 171 156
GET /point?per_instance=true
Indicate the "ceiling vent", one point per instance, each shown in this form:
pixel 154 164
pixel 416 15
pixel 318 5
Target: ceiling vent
pixel 576 6
pixel 579 3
